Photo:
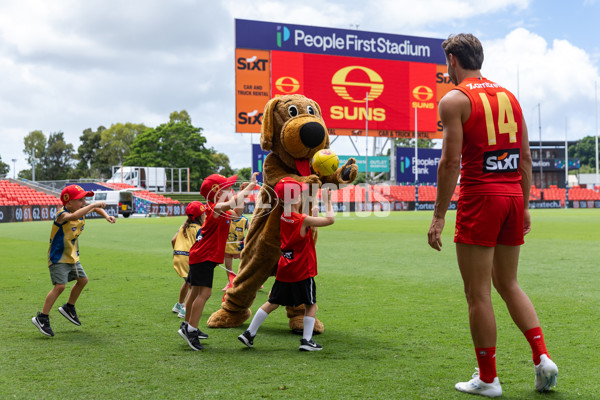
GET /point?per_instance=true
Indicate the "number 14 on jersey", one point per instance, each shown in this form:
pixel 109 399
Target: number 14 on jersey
pixel 506 118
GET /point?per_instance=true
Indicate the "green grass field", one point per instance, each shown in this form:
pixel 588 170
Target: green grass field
pixel 394 312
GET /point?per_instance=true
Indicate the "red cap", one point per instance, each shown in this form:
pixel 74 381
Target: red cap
pixel 73 192
pixel 289 189
pixel 214 183
pixel 195 209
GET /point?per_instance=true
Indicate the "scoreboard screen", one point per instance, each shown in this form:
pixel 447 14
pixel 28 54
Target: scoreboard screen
pixel 353 75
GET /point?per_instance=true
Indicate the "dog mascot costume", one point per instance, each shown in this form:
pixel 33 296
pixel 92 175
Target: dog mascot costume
pixel 293 130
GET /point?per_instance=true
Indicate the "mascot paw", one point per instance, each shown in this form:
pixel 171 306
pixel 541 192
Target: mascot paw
pixel 297 325
pixel 227 319
pixel 310 179
pixel 349 171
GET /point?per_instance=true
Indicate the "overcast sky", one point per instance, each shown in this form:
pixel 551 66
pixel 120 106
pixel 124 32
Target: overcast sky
pixel 68 65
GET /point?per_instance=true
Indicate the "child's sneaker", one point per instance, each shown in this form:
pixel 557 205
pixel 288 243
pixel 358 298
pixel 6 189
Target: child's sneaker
pixel 69 313
pixel 247 338
pixel 183 326
pixel 181 313
pixel 190 337
pixel 177 308
pixel 202 335
pixel 309 345
pixel 545 374
pixel 477 386
pixel 43 324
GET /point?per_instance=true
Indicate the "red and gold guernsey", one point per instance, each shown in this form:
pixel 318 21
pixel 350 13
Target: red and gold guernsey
pixel 298 259
pixel 210 244
pixel 492 136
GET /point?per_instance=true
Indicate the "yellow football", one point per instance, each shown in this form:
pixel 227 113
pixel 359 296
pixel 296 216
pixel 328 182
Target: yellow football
pixel 325 162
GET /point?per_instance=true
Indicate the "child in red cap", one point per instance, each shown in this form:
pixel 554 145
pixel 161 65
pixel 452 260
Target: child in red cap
pixel 294 283
pixel 63 254
pixel 209 249
pixel 182 242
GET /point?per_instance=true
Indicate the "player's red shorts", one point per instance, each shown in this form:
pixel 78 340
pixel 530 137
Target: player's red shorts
pixel 487 220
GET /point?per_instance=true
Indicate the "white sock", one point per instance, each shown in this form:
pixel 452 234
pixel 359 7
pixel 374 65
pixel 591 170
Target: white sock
pixel 191 328
pixel 257 321
pixel 309 326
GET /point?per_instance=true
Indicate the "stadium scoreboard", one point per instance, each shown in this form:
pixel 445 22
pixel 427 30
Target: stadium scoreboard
pixel 341 70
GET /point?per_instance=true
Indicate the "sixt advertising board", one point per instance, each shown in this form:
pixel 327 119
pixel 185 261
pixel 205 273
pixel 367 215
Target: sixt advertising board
pixel 428 160
pixel 341 69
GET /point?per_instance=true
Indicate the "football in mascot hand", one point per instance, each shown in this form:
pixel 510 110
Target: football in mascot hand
pixel 325 162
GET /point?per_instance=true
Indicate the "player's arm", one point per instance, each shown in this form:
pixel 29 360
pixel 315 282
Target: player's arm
pixel 525 170
pixel 237 200
pixel 452 108
pixel 83 211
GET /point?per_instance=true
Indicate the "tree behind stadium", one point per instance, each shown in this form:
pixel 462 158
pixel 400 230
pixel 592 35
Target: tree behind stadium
pixel 177 144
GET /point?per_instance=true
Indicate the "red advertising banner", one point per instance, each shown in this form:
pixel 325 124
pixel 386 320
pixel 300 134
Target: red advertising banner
pixel 340 85
pixel 252 89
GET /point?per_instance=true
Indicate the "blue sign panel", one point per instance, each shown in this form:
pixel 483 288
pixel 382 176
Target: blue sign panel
pixel 341 42
pixel 406 164
pixel 258 159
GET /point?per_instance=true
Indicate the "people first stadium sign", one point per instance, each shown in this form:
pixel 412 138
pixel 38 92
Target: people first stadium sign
pixel 342 70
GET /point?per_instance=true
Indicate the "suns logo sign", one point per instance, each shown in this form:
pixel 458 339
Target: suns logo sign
pixel 287 85
pixel 423 94
pixel 343 86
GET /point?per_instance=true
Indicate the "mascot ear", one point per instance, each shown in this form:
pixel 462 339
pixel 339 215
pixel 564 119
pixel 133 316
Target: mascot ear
pixel 316 105
pixel 266 134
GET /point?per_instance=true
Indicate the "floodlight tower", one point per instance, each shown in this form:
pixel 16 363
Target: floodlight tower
pixel 14 160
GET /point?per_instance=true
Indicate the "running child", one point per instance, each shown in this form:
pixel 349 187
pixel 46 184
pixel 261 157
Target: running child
pixel 235 243
pixel 209 250
pixel 63 254
pixel 182 242
pixel 294 282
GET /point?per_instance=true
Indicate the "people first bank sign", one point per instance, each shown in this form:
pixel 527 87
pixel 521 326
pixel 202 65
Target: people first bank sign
pixel 425 164
pixel 341 70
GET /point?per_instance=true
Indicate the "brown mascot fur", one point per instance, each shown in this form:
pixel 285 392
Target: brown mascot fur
pixel 293 130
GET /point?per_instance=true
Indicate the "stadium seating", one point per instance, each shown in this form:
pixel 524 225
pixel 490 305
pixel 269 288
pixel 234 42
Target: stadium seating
pixel 13 194
pixel 154 197
pixel 117 186
pixel 143 194
pixel 429 193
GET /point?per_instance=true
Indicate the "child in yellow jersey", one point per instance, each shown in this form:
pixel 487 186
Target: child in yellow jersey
pixel 63 254
pixel 182 242
pixel 235 243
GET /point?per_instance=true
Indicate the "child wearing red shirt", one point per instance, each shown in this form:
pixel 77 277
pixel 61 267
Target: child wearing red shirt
pixel 182 242
pixel 209 249
pixel 294 282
